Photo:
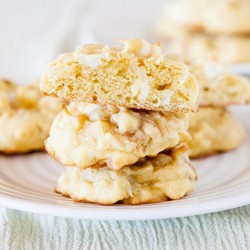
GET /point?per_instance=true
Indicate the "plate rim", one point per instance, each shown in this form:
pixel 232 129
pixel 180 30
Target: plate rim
pixel 123 214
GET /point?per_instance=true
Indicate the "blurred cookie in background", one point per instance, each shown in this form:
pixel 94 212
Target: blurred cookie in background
pixel 25 117
pixel 218 87
pixel 213 130
pixel 207 30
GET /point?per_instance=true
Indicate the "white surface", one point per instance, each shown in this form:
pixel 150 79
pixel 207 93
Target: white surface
pixel 26 183
pixel 214 69
pixel 35 32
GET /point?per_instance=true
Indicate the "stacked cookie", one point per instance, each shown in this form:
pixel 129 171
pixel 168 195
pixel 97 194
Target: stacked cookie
pixel 214 30
pixel 121 134
pixel 214 128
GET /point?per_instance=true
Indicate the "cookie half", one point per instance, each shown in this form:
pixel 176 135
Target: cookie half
pixel 136 75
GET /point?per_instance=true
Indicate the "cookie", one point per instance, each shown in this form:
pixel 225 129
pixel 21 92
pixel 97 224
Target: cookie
pixel 221 88
pixel 25 117
pixel 136 75
pixel 225 49
pixel 208 30
pixel 225 17
pixel 177 18
pixel 86 135
pixel 167 176
pixel 230 17
pixel 213 130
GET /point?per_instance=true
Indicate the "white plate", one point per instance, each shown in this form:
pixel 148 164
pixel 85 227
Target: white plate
pixel 215 69
pixel 240 68
pixel 26 183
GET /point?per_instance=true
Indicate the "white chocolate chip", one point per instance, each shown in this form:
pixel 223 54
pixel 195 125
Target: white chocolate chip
pixel 93 60
pixel 106 53
pixel 82 108
pixel 141 85
pixel 145 49
pixel 141 47
pixel 126 121
pixel 90 108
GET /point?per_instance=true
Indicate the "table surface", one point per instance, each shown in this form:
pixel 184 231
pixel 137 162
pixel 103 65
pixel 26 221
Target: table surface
pixel 224 230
